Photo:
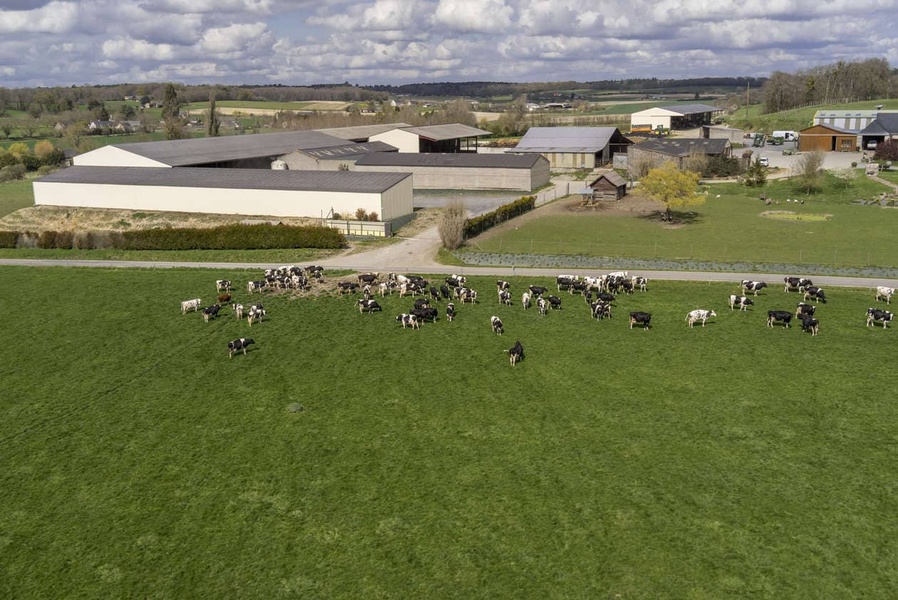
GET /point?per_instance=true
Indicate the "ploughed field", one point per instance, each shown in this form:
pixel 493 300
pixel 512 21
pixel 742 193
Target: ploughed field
pixel 345 456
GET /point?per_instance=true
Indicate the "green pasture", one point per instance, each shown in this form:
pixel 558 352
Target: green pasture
pixel 15 195
pixel 753 118
pixel 345 457
pixel 730 228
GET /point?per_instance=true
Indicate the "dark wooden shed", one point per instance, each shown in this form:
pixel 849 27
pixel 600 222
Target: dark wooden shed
pixel 827 138
pixel 609 186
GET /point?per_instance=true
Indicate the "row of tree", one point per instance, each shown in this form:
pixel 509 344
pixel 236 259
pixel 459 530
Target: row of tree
pixel 838 82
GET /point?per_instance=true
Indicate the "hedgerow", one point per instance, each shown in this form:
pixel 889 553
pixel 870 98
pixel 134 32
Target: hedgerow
pixel 478 225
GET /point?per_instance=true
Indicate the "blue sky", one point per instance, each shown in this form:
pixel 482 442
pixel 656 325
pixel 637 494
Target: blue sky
pixel 300 42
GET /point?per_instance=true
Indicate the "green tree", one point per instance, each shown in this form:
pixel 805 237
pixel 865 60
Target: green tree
pixel 673 187
pixel 755 175
pixel 171 106
pixel 808 171
pixel 213 122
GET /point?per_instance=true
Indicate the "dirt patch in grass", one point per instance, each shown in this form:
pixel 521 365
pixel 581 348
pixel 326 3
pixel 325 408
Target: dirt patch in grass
pixel 789 215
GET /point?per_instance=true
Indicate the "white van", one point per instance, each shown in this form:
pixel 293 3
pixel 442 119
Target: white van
pixel 788 136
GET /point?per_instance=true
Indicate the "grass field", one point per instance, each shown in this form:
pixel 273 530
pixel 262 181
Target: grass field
pixel 726 229
pixel 734 461
pixel 15 195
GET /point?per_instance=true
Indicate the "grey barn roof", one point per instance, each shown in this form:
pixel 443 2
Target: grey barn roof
pixel 245 179
pixel 684 146
pixel 438 133
pixel 565 139
pixel 361 133
pixel 199 151
pixel 349 151
pixel 885 124
pixel 691 109
pixel 465 160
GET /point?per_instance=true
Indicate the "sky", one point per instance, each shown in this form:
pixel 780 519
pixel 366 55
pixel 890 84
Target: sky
pixel 364 42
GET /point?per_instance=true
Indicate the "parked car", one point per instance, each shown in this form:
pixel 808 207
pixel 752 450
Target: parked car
pixel 765 162
pixel 871 145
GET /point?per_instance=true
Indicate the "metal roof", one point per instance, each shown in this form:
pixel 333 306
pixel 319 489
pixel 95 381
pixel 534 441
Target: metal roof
pixel 839 114
pixel 685 146
pixel 453 131
pixel 200 151
pixel 614 178
pixel 361 133
pixel 885 124
pixel 829 127
pixel 463 159
pixel 244 179
pixel 691 109
pixel 349 151
pixel 566 139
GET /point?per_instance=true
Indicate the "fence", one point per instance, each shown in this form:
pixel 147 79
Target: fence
pixel 361 228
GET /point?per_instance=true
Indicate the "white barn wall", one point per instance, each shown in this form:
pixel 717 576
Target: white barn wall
pixel 653 117
pixel 277 203
pixel 405 141
pixel 110 156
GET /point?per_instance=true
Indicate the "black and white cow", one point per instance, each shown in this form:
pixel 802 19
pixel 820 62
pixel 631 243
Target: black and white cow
pixel 239 345
pixel 752 286
pixel 435 294
pixel 740 302
pixel 600 310
pixel 496 325
pixel 640 283
pixel 779 316
pixel 421 303
pixel 450 312
pixel 875 315
pixel 190 305
pixel 456 281
pixel 502 285
pixel 641 318
pixel 368 278
pixel 884 293
pixel 809 323
pixel 554 302
pixel 537 290
pixel 408 321
pixel 255 313
pixel 222 285
pixel 368 306
pixel 814 293
pixel 210 312
pixel 699 314
pixel 256 286
pixel 467 295
pixel 425 314
pixel 515 353
pixel 238 311
pixel 796 283
pixel 542 306
pixel 444 291
pixel 525 300
pixel 805 309
pixel 505 297
pixel 347 287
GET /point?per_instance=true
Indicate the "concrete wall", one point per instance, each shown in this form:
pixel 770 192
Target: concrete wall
pixel 466 178
pixel 109 156
pixel 651 117
pixel 280 203
pixel 571 160
pixel 297 161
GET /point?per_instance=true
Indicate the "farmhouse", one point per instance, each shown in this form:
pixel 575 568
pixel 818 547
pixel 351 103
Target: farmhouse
pixel 524 172
pixel 573 147
pixel 681 116
pixel 885 127
pixel 657 151
pixel 228 191
pixel 827 138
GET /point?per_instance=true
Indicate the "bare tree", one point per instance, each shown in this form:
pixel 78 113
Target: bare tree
pixel 452 225
pixel 808 171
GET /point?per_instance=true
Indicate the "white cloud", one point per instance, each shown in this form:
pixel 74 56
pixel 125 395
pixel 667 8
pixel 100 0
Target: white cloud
pixel 56 17
pixel 124 48
pixel 474 16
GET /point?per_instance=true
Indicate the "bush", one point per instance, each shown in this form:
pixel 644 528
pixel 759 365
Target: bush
pixel 8 239
pixel 372 216
pixel 478 225
pixel 27 239
pixel 452 225
pixel 12 172
pixel 361 214
pixel 232 237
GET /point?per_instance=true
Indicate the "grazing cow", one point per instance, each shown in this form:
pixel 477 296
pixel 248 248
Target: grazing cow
pixel 222 285
pixel 256 286
pixel 505 297
pixel 809 323
pixel 450 312
pixel 525 300
pixel 224 298
pixel 435 293
pixel 542 306
pixel 605 297
pixel 255 313
pixel 642 318
pixel 368 278
pixel 814 294
pixel 640 283
pixel 368 306
pixel 741 302
pixel 502 285
pixel 210 312
pixel 468 295
pixel 408 321
pixel 421 303
pixel 188 305
pixel 600 310
pixel 384 288
pixel 805 309
pixel 239 345
pixel 752 286
pixel 238 311
pixel 347 287
pixel 515 353
pixel 699 314
pixel 796 283
pixel 577 287
pixel 554 301
pixel 496 325
pixel 538 290
pixel 425 314
pixel 779 316
pixel 444 291
pixel 875 315
pixel 456 281
pixel 564 282
pixel 884 293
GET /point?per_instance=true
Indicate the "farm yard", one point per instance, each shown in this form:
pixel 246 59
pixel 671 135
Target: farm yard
pixel 345 456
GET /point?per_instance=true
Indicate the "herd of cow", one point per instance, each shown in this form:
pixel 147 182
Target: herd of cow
pixel 598 292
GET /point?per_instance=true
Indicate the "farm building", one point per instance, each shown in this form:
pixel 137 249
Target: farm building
pixel 361 133
pixel 681 116
pixel 657 151
pixel 827 138
pixel 885 127
pixel 228 191
pixel 722 132
pixel 608 186
pixel 432 138
pixel 463 171
pixel 845 119
pixel 573 147
pixel 332 159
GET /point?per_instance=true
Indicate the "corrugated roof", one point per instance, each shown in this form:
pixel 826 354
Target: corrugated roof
pixel 244 179
pixel 685 146
pixel 823 113
pixel 464 160
pixel 830 127
pixel 691 109
pixel 453 131
pixel 349 151
pixel 200 151
pixel 565 139
pixel 885 124
pixel 362 132
pixel 611 176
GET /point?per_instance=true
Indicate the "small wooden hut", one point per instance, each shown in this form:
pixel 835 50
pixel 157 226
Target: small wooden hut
pixel 609 186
